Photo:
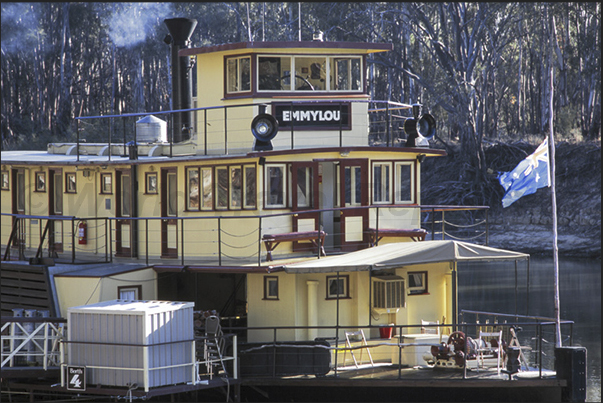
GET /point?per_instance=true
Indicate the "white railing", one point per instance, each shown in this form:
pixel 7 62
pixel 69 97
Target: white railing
pixel 28 342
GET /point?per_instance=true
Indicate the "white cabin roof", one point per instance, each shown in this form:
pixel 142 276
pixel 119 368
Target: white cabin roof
pixel 401 254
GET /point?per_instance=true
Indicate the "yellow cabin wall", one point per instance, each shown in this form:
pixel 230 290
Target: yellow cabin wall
pixel 75 291
pixel 293 306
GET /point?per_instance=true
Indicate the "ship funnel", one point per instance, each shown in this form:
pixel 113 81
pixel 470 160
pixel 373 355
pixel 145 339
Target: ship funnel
pixel 180 31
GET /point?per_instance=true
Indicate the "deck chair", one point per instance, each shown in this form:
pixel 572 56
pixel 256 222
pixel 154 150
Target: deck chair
pixel 430 327
pixel 486 345
pixel 214 345
pixel 364 344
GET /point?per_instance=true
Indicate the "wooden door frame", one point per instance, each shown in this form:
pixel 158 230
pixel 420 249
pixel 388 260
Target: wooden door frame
pixel 364 201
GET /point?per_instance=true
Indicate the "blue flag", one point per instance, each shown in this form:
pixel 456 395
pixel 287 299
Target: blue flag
pixel 529 175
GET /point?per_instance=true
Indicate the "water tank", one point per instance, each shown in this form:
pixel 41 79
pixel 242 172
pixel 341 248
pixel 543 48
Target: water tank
pixel 151 129
pixel 150 343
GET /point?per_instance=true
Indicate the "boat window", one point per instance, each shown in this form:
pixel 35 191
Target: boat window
pixel 275 185
pixel 193 188
pixel 238 74
pixel 221 188
pixel 126 195
pixel 250 187
pixel 271 287
pixel 5 185
pixel 309 73
pixel 338 287
pixel 130 293
pixel 172 186
pixel 404 183
pixel 347 73
pixel 106 183
pixel 417 282
pixel 353 186
pixel 381 182
pixel 388 292
pixel 236 186
pixel 304 187
pixel 70 184
pixel 274 73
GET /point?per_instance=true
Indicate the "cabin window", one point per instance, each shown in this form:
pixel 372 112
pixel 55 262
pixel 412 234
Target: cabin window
pixel 106 183
pixel 271 287
pixel 275 185
pixel 193 188
pixel 238 74
pixel 5 185
pixel 126 195
pixel 417 282
pixel 207 188
pixel 221 188
pixel 381 182
pixel 40 182
pixel 304 187
pixel 404 183
pixel 172 186
pixel 70 183
pixel 249 185
pixel 151 183
pixel 338 287
pixel 130 293
pixel 353 186
pixel 388 292
pixel 234 187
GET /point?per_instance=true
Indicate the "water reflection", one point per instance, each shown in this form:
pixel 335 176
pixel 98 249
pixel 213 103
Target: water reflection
pixel 491 288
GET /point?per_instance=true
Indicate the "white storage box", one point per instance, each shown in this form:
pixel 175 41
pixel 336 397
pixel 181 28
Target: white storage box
pixel 150 343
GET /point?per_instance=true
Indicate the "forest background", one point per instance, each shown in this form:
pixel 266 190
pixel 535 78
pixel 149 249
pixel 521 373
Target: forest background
pixel 482 69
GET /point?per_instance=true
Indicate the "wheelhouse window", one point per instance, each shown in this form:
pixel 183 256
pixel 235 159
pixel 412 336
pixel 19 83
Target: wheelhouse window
pixel 381 182
pixel 417 282
pixel 338 287
pixel 238 74
pixel 309 73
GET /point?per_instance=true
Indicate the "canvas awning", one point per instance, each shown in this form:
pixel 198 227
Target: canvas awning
pixel 396 255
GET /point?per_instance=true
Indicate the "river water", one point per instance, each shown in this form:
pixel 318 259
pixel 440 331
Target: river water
pixel 491 288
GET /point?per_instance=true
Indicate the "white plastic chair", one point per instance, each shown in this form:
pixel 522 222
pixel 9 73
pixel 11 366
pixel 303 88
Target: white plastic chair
pixel 486 346
pixel 348 344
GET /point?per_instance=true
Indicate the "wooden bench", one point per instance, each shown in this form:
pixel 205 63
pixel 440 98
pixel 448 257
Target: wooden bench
pixel 273 240
pixel 414 234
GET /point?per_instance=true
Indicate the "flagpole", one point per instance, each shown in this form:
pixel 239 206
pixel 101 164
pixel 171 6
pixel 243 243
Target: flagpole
pixel 554 208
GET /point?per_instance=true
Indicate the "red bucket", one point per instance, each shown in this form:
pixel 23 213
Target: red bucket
pixel 385 332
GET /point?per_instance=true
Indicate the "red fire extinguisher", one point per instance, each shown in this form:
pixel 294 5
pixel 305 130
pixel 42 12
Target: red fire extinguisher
pixel 82 233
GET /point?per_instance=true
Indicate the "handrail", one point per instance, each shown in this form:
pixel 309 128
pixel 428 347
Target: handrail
pixel 107 239
pixel 388 109
pixel 534 328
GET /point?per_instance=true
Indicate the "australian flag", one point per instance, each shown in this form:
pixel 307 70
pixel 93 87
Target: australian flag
pixel 529 175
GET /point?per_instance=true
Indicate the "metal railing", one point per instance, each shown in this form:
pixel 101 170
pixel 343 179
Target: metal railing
pixel 223 239
pixel 32 341
pixel 215 125
pixel 533 339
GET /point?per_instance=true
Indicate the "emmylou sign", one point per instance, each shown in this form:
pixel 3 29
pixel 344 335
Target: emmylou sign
pixel 327 116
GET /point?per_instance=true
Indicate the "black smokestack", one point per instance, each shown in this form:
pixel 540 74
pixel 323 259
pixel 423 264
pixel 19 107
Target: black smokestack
pixel 181 30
